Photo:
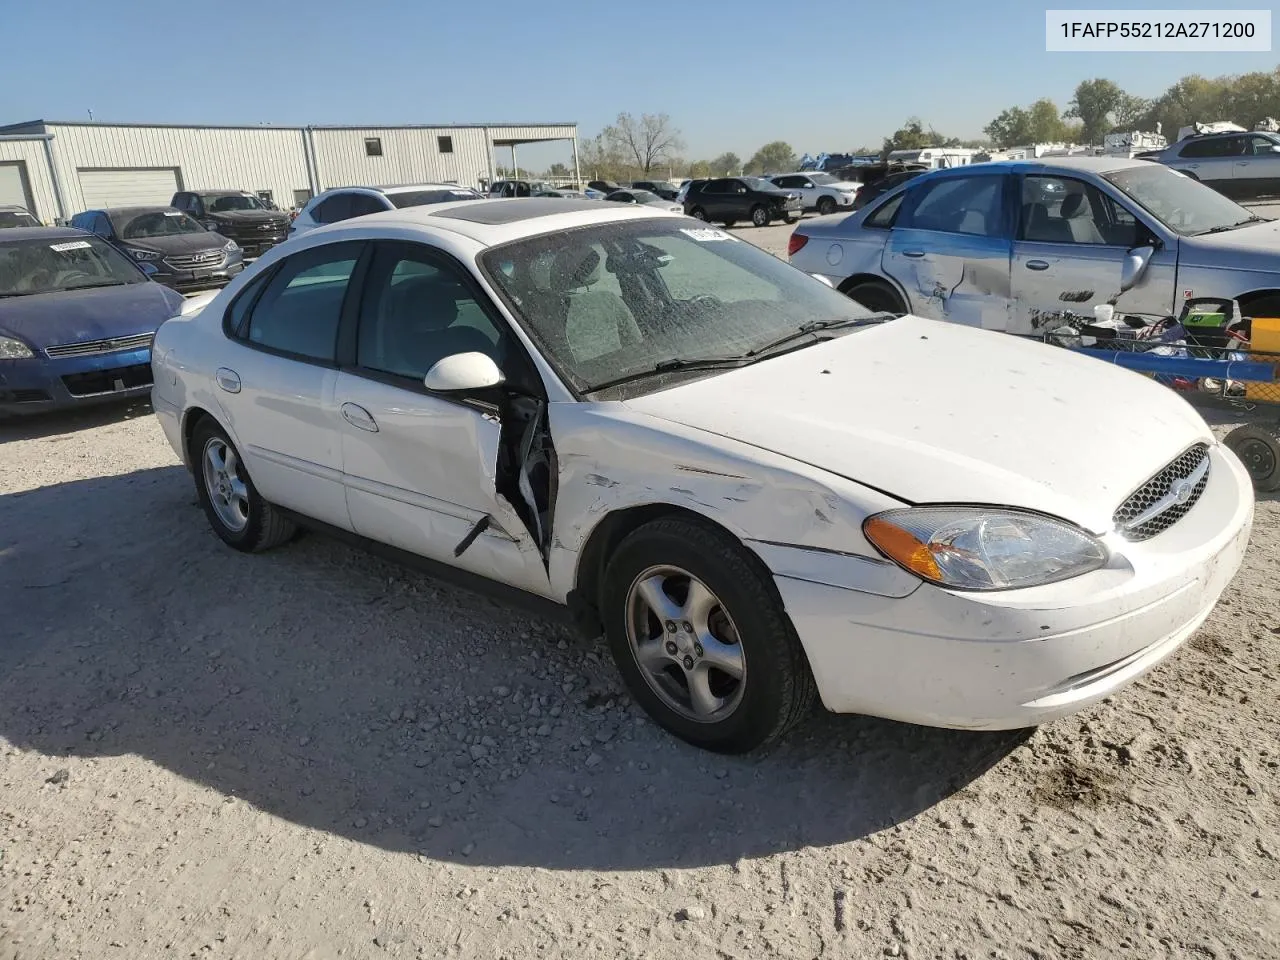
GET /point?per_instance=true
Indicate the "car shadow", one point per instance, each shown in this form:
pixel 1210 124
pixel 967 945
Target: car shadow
pixel 37 426
pixel 351 696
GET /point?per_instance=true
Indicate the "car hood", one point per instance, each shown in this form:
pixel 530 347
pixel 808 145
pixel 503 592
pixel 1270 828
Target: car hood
pixel 47 319
pixel 247 216
pixel 929 411
pixel 179 243
pixel 1255 247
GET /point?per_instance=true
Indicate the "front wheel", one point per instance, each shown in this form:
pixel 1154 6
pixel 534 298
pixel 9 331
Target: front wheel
pixel 759 216
pixel 1258 447
pixel 701 639
pixel 698 213
pixel 826 206
pixel 876 296
pixel 236 511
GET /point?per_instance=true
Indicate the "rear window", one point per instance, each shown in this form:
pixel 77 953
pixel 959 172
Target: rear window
pixel 417 198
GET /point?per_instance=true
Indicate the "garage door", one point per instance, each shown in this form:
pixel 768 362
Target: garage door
pixel 127 188
pixel 13 185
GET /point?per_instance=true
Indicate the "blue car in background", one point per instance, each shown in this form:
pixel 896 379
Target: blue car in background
pixel 77 318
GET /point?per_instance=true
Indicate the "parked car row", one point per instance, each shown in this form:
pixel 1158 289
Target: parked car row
pixel 1241 165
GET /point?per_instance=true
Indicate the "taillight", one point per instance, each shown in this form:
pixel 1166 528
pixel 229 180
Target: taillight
pixel 795 242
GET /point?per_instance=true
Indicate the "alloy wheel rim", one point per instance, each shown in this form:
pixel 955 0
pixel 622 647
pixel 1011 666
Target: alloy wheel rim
pixel 685 643
pixel 1258 458
pixel 226 487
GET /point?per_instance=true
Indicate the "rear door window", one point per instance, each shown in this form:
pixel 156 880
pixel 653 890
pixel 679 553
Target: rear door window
pixel 299 311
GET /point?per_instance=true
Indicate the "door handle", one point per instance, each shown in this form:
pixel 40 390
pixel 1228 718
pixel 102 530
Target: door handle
pixel 358 416
pixel 227 379
pixel 913 254
pixel 1037 265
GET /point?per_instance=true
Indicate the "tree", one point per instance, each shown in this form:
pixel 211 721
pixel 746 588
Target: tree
pixel 646 142
pixel 1093 105
pixel 600 160
pixel 774 157
pixel 913 136
pixel 726 165
pixel 559 170
pixel 1129 111
pixel 1039 123
pixel 699 170
pixel 1011 128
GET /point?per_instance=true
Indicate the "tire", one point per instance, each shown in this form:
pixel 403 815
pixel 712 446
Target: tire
pixel 1258 447
pixel 759 216
pixel 729 223
pixel 743 617
pixel 826 206
pixel 244 521
pixel 788 218
pixel 698 213
pixel 876 296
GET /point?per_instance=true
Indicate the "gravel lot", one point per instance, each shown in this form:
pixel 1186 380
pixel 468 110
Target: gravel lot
pixel 312 754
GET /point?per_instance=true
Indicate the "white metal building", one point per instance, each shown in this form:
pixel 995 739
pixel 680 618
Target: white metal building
pixel 56 168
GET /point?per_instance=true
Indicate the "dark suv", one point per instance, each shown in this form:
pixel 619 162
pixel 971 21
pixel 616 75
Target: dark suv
pixel 661 187
pixel 730 199
pixel 238 215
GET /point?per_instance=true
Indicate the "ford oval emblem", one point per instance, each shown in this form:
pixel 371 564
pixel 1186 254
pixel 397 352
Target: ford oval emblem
pixel 1182 491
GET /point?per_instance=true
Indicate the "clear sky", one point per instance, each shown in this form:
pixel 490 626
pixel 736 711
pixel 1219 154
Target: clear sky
pixel 822 76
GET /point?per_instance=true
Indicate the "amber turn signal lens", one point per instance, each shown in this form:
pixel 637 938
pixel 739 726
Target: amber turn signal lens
pixel 902 548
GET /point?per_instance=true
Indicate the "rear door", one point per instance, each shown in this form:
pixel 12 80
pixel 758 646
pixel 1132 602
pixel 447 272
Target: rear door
pixel 950 246
pixel 277 375
pixel 1206 158
pixel 423 471
pixel 1070 248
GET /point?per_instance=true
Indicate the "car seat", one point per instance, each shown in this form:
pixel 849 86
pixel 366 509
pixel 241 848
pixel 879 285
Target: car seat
pixel 596 322
pixel 418 317
pixel 1079 219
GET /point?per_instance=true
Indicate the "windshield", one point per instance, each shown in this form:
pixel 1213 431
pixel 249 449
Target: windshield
pixel 612 300
pixel 416 198
pixel 16 218
pixel 158 223
pixel 1184 205
pixel 760 183
pixel 822 179
pixel 51 265
pixel 221 203
pixel 644 196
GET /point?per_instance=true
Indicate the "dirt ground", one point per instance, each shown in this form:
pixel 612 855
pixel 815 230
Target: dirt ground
pixel 312 754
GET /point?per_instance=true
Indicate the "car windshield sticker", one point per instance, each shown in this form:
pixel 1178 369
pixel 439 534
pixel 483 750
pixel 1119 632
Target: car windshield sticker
pixel 71 245
pixel 707 234
pixel 173 213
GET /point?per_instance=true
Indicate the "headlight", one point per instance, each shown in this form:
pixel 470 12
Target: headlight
pixel 11 349
pixel 231 245
pixel 976 548
pixel 143 254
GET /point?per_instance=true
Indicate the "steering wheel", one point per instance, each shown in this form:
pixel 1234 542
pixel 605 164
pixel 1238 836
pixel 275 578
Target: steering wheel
pixel 67 276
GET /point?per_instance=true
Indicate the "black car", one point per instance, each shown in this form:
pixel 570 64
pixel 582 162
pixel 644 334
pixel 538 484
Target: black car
pixel 604 186
pixel 876 188
pixel 12 215
pixel 730 199
pixel 238 215
pixel 169 246
pixel 661 187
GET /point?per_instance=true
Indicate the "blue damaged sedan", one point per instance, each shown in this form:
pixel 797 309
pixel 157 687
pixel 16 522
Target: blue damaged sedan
pixel 77 319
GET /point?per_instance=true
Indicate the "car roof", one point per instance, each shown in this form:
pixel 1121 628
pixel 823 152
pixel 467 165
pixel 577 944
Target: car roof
pixel 495 221
pixel 406 187
pixel 41 233
pixel 221 193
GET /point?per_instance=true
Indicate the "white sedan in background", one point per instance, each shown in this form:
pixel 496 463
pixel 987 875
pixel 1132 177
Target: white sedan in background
pixel 820 192
pixel 758 491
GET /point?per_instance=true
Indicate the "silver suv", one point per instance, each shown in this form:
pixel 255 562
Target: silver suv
pixel 1240 165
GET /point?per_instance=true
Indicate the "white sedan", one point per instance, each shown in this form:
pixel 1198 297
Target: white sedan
pixel 757 490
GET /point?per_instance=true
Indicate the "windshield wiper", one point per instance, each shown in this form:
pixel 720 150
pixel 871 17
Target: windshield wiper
pixel 813 326
pixel 741 359
pixel 22 293
pixel 1231 226
pixel 91 286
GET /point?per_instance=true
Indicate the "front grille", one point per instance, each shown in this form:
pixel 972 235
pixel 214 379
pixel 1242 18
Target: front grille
pixel 1166 498
pixel 108 381
pixel 90 348
pixel 206 258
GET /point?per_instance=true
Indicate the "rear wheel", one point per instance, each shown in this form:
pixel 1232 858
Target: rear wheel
pixel 759 216
pixel 701 638
pixel 729 223
pixel 1258 447
pixel 826 206
pixel 236 511
pixel 876 296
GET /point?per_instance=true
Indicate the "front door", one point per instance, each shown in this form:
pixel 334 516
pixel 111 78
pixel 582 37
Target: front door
pixel 276 375
pixel 423 470
pixel 949 249
pixel 1256 172
pixel 1071 246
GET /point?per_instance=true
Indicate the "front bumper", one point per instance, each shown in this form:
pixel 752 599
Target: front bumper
pixel 254 242
pixel 187 279
pixel 1021 658
pixel 40 384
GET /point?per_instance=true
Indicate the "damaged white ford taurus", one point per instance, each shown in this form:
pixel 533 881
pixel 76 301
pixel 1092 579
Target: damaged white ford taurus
pixel 759 491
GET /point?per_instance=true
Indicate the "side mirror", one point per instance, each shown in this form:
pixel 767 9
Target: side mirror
pixel 1135 265
pixel 1275 148
pixel 462 372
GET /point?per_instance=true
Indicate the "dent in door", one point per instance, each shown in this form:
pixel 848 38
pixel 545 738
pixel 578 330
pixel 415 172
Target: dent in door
pixel 974 292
